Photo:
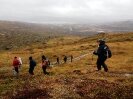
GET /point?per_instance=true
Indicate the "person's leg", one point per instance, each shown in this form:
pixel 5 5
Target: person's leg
pixel 44 70
pixel 17 72
pixel 16 69
pixel 104 66
pixel 99 64
pixel 32 70
pixel 65 60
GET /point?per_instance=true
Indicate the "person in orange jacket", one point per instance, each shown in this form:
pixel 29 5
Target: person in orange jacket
pixel 16 64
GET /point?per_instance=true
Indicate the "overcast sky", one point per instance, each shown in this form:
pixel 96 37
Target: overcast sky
pixel 66 11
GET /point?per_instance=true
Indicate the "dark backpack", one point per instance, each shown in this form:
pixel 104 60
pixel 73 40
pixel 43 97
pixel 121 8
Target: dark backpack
pixel 108 52
pixel 34 63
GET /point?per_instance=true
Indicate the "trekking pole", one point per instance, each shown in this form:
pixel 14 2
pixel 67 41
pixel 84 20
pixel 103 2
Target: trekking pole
pixel 92 56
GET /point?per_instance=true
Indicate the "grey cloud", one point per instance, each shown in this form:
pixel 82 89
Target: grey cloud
pixel 71 11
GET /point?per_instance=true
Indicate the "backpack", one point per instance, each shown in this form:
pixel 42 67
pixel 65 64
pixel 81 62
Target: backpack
pixel 45 63
pixel 34 63
pixel 108 52
pixel 20 61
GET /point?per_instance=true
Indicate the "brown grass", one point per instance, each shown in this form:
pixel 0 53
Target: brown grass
pixel 74 80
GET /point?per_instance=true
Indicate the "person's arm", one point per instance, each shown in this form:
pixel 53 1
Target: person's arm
pixel 99 51
pixel 95 52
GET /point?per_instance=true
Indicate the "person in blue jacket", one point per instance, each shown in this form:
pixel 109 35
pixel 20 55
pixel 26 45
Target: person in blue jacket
pixel 32 65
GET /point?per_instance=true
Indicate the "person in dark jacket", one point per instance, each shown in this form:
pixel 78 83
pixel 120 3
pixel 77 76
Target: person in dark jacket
pixel 102 55
pixel 58 60
pixel 71 58
pixel 65 59
pixel 32 65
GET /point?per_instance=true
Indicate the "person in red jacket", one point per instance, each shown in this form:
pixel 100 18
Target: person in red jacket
pixel 16 64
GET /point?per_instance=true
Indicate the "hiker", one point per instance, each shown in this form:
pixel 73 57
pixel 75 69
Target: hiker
pixel 16 66
pixel 32 65
pixel 48 62
pixel 103 53
pixel 45 58
pixel 20 62
pixel 45 64
pixel 65 59
pixel 71 58
pixel 58 60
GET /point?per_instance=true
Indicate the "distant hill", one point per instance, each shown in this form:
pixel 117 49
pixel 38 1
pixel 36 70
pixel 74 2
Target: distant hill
pixel 16 34
pixel 22 27
pixel 121 26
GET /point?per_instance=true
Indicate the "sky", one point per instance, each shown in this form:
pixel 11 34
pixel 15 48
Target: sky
pixel 66 11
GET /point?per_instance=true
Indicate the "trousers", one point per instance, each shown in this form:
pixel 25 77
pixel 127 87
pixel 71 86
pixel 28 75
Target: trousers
pixel 101 62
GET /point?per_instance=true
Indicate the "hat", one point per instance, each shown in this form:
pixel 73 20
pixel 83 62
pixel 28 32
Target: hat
pixel 30 58
pixel 101 41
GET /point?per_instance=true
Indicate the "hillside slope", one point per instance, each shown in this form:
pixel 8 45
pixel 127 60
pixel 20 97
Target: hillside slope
pixel 17 34
pixel 76 80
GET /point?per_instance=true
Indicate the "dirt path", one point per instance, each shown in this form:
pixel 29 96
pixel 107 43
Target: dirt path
pixel 74 59
pixel 84 55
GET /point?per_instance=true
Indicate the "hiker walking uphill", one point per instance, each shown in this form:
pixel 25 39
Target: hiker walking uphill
pixel 32 65
pixel 16 64
pixel 58 60
pixel 45 64
pixel 103 53
pixel 71 58
pixel 65 59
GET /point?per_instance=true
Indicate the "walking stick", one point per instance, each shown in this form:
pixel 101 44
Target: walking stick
pixel 92 56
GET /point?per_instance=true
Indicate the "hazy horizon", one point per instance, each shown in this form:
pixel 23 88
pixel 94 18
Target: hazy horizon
pixel 66 11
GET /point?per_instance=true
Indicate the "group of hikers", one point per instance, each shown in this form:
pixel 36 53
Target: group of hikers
pixel 64 59
pixel 103 52
pixel 17 63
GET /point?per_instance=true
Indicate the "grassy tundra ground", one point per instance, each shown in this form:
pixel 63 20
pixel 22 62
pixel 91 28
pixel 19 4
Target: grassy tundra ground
pixel 76 80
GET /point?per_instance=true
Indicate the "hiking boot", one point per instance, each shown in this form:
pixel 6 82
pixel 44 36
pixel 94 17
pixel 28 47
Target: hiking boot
pixel 98 70
pixel 46 73
pixel 106 70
